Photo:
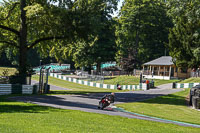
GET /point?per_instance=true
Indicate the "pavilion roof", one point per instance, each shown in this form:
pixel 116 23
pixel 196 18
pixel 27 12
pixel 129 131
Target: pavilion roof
pixel 164 60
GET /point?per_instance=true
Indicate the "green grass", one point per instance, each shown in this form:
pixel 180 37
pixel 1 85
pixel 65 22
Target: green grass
pixel 18 117
pixel 132 80
pixel 171 107
pixel 75 88
pixel 191 80
pixel 10 71
pixel 158 82
pixel 123 80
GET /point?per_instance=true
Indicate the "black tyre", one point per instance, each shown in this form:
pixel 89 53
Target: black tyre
pixel 101 105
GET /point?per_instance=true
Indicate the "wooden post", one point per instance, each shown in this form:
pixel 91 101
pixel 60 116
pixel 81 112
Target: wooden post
pixel 159 71
pixel 177 71
pixel 164 71
pixel 170 68
pixel 150 71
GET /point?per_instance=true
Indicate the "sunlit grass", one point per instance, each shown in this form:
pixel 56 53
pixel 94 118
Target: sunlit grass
pixel 7 71
pixel 171 107
pixel 18 117
pixel 133 80
pixel 74 87
pixel 191 80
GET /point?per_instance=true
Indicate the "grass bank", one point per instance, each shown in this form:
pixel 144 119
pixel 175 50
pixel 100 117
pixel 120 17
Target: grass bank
pixel 132 80
pixel 191 80
pixel 18 117
pixel 172 107
pixel 7 71
pixel 74 87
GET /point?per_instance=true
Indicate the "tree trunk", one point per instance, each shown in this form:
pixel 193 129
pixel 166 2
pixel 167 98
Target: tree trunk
pixel 89 69
pixel 23 44
pixel 98 68
pixel 23 65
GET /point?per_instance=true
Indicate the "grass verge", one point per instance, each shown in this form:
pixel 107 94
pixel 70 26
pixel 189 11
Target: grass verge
pixel 74 87
pixel 132 80
pixel 18 117
pixel 172 107
pixel 7 71
pixel 191 80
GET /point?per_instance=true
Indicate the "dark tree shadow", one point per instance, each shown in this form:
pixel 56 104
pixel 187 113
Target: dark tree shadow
pixel 53 101
pixel 8 107
pixel 73 92
pixel 85 101
pixel 137 97
pixel 23 109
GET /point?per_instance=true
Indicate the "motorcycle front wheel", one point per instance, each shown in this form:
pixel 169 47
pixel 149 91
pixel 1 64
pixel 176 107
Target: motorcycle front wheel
pixel 101 105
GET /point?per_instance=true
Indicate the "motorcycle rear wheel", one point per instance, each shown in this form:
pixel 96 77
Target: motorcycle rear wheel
pixel 101 105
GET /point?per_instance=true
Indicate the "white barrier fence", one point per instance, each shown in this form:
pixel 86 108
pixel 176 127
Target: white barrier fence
pixel 6 89
pixel 142 86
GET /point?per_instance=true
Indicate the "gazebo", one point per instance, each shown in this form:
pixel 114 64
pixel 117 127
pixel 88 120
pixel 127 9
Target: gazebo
pixel 164 68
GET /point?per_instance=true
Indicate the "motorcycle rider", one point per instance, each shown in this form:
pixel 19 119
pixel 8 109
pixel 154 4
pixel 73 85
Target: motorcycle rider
pixel 110 97
pixel 118 87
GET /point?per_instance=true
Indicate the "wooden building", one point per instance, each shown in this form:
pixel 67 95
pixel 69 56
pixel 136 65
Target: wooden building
pixel 164 68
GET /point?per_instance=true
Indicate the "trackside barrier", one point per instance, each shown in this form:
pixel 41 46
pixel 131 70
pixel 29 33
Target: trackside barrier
pixel 184 85
pixel 141 86
pixel 27 89
pixel 6 89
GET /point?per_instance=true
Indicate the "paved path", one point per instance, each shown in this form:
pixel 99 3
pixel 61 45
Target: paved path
pixel 165 86
pixel 89 102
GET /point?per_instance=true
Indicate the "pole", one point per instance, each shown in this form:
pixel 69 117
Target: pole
pixel 40 62
pixel 40 80
pixel 141 77
pixel 46 85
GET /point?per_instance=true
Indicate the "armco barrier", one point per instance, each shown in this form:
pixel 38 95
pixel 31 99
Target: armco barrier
pixel 142 86
pixel 184 85
pixel 27 89
pixel 6 89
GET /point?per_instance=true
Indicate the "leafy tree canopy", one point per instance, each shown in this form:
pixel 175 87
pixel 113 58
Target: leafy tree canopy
pixel 103 49
pixel 48 24
pixel 184 37
pixel 94 50
pixel 142 30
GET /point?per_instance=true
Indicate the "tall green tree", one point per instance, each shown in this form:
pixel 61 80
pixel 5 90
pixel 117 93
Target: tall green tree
pixel 184 37
pixel 4 61
pixel 103 49
pixel 47 24
pixel 97 49
pixel 142 31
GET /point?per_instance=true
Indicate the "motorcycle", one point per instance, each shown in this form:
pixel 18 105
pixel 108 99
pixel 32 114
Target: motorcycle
pixel 104 103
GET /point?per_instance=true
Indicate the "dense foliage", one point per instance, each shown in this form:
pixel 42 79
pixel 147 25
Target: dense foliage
pixel 184 37
pixel 142 31
pixel 48 24
pixel 96 50
pixel 85 32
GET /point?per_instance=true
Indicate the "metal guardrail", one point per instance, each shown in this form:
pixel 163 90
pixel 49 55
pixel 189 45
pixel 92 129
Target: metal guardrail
pixel 6 89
